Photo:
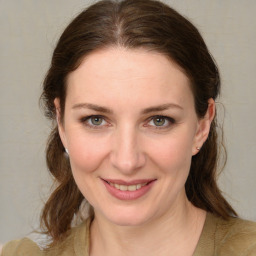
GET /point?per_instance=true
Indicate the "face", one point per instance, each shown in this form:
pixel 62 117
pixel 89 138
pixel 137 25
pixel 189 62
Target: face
pixel 131 129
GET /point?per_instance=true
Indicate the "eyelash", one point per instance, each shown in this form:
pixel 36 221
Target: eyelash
pixel 86 119
pixel 170 121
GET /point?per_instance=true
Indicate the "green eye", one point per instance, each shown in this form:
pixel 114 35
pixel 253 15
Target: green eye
pixel 96 120
pixel 159 121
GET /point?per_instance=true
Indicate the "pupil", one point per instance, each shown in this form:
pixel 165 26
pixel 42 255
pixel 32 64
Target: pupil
pixel 159 121
pixel 96 120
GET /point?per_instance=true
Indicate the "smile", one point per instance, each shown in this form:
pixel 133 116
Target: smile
pixel 128 190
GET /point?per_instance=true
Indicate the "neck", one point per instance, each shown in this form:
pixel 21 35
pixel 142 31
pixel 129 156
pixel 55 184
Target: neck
pixel 165 235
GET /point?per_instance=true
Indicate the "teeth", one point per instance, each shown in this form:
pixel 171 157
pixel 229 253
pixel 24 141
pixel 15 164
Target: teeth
pixel 132 187
pixel 123 187
pixel 117 186
pixel 138 186
pixel 129 188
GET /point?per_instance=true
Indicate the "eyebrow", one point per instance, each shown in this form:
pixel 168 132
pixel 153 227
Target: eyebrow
pixel 93 107
pixel 109 111
pixel 161 108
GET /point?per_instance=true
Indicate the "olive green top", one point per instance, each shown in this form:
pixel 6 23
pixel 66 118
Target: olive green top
pixel 234 237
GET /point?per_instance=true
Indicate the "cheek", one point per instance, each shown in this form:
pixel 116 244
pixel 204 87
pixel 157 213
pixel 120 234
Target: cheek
pixel 172 154
pixel 86 152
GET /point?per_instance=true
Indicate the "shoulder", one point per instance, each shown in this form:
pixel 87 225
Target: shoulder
pixel 235 237
pixel 75 243
pixel 21 247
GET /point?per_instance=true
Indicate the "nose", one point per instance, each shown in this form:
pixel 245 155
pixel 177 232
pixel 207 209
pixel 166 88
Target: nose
pixel 127 155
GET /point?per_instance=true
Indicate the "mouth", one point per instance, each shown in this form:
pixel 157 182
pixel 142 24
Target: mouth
pixel 123 187
pixel 128 190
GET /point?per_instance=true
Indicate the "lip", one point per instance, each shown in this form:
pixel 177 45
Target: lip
pixel 128 183
pixel 128 195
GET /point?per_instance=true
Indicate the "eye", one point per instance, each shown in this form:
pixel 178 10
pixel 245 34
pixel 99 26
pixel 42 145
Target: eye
pixel 94 121
pixel 161 121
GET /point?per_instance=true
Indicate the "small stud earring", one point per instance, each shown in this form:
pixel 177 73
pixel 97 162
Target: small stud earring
pixel 66 151
pixel 198 148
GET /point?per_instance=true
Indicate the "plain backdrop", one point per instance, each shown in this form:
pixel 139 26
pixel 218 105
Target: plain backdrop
pixel 29 31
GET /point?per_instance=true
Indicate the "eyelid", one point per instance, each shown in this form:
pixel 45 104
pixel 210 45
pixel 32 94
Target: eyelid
pixel 170 120
pixel 84 120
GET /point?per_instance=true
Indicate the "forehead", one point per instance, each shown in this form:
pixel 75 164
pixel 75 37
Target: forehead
pixel 120 73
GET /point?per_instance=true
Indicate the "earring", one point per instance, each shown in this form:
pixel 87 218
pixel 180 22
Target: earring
pixel 198 148
pixel 66 151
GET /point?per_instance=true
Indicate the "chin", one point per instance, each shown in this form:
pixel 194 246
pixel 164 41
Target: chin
pixel 130 221
pixel 128 217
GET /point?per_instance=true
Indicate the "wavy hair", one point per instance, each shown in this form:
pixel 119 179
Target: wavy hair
pixel 131 24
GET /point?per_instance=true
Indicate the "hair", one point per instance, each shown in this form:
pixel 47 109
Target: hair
pixel 131 24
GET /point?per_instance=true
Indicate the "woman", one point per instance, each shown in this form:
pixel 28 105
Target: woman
pixel 131 91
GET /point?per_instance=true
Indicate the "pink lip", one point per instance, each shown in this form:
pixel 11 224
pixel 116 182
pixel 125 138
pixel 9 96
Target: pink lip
pixel 128 195
pixel 128 183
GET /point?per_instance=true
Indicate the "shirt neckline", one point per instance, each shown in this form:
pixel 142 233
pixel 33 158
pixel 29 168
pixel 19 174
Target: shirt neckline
pixel 205 245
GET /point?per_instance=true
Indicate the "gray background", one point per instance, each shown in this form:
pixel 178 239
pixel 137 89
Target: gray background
pixel 29 30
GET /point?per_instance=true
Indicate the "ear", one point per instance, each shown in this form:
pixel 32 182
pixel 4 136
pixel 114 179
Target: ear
pixel 203 129
pixel 61 128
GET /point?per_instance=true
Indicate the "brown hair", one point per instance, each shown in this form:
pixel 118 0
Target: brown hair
pixel 131 24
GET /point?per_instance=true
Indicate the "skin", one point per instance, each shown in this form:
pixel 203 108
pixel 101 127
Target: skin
pixel 129 144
